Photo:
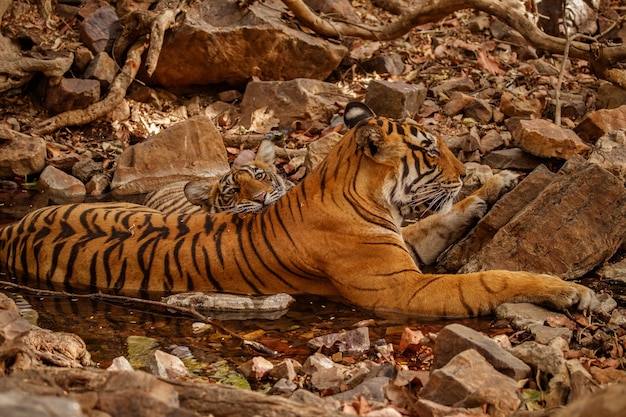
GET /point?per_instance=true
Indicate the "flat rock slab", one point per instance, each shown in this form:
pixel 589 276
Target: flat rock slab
pixel 577 222
pixel 219 42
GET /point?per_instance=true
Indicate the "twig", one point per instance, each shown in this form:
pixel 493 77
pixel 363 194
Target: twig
pixel 100 296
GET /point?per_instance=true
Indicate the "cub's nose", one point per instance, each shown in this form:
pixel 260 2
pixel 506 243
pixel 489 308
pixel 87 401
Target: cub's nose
pixel 260 197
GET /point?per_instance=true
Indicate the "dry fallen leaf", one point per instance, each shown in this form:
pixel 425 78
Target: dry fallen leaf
pixel 489 64
pixel 263 120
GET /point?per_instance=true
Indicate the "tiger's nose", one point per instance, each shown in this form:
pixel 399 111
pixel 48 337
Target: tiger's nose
pixel 260 197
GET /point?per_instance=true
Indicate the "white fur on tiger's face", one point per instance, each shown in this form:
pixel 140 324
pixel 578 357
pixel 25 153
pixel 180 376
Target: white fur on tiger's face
pixel 248 188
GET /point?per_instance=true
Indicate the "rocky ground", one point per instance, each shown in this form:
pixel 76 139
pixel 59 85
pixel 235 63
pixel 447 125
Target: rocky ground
pixel 469 78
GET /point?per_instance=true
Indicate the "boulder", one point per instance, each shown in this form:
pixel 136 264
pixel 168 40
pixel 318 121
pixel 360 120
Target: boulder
pixel 71 93
pixel 499 215
pixel 512 158
pixel 610 153
pixel 189 149
pixel 100 30
pixel 601 122
pixel 60 186
pixel 456 338
pixel 219 42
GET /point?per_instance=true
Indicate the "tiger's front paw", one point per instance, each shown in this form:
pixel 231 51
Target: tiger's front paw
pixel 566 294
pixel 498 185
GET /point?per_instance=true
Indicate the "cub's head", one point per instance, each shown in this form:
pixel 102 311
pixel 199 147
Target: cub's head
pixel 245 189
pixel 427 174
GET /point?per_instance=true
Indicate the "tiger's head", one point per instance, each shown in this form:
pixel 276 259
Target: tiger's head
pixel 248 188
pixel 427 175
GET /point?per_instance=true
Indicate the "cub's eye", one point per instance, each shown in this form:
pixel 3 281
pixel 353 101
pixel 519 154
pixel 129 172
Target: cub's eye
pixel 231 190
pixel 433 153
pixel 260 175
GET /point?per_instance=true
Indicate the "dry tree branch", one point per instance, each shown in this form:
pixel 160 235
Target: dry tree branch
pixel 601 57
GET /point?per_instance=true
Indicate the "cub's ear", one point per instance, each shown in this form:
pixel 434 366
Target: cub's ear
pixel 266 154
pixel 198 192
pixel 355 112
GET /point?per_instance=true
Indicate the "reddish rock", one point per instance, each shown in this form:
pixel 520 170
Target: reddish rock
pixel 456 338
pixel 499 215
pixel 457 103
pixel 72 93
pixel 463 84
pixel 60 185
pixel 218 42
pixel 22 156
pixel 512 158
pixel 394 99
pixel 513 106
pixel 384 64
pixel 610 96
pixel 468 380
pixel 102 68
pixel 543 138
pixel 309 104
pixel 600 122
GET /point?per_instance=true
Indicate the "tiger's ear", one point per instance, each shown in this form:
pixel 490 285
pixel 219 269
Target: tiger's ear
pixel 355 112
pixel 266 154
pixel 372 139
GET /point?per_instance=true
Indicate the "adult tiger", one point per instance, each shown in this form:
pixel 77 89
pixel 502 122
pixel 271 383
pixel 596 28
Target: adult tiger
pixel 246 188
pixel 336 233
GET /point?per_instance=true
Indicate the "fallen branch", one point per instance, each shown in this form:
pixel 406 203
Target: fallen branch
pixel 190 312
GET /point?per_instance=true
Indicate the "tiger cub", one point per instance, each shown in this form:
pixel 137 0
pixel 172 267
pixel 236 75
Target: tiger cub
pixel 248 188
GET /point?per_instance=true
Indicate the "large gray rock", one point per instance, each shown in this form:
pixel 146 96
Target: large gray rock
pixel 577 222
pixel 219 42
pixel 468 380
pixel 456 338
pixel 189 149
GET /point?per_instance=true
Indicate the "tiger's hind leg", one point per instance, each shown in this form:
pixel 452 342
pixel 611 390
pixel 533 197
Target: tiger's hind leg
pixel 429 237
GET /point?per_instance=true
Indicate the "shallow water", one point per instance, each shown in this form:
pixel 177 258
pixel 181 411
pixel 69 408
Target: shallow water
pixel 106 327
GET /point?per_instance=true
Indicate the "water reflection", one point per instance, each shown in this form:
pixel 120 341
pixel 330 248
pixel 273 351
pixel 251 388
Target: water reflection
pixel 105 327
